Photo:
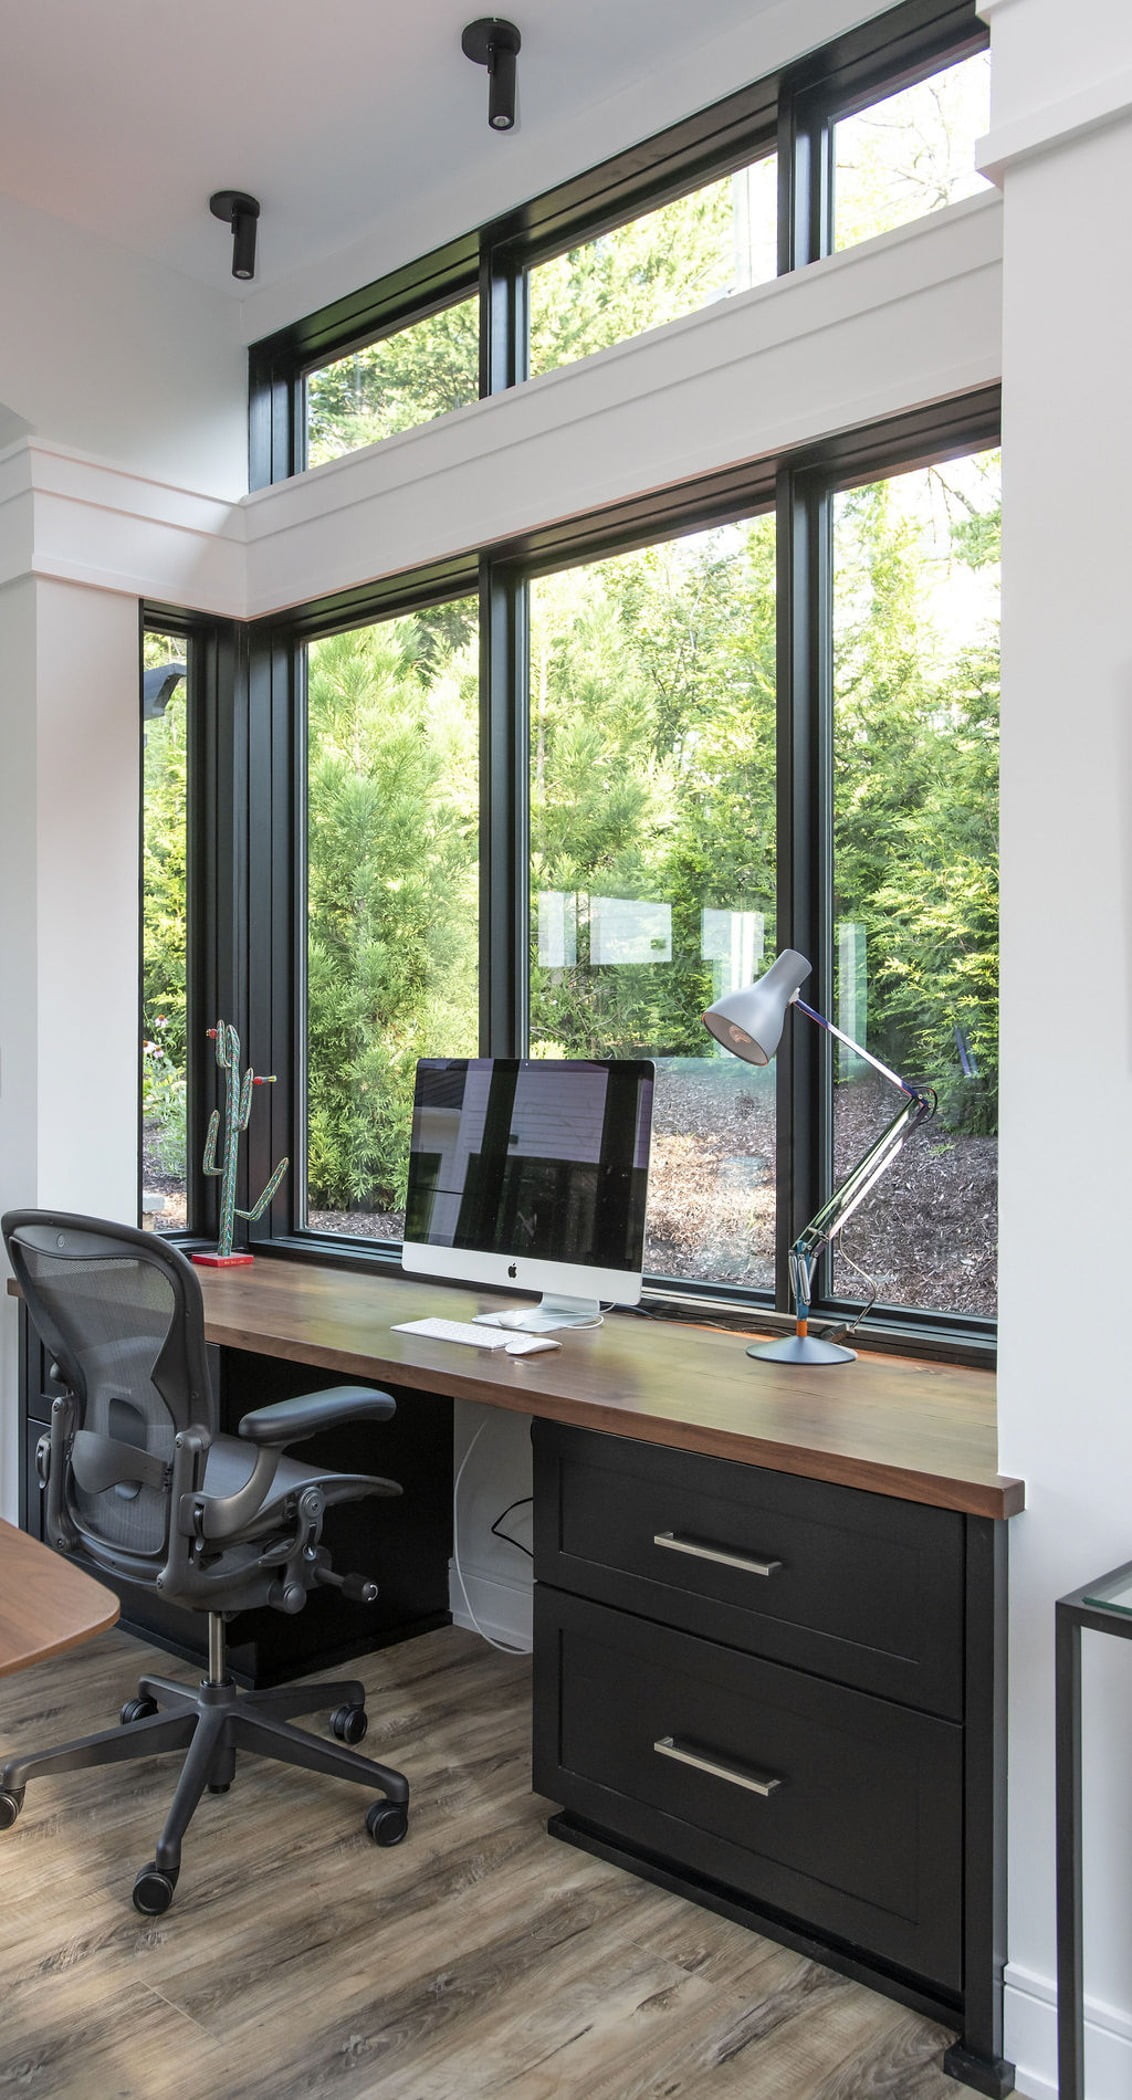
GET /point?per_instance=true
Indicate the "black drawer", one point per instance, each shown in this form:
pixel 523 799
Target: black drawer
pixel 860 1836
pixel 862 1588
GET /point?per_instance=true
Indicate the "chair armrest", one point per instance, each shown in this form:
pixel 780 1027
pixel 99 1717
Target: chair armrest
pixel 289 1421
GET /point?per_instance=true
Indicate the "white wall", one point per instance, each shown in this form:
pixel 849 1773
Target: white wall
pixel 493 1589
pixel 111 355
pixel 1065 1382
pixel 68 913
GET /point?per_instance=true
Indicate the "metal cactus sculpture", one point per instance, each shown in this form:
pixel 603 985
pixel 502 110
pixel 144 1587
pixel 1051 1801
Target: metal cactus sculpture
pixel 237 1113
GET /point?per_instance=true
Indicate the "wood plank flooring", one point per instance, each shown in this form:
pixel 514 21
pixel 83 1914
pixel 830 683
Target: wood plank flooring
pixel 480 1960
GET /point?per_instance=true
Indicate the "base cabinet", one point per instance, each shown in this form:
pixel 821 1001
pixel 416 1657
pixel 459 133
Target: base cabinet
pixel 781 1697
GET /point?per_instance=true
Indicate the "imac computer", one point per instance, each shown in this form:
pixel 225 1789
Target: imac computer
pixel 531 1174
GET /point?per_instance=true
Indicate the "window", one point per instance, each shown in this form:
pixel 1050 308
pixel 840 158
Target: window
pixel 166 678
pixel 911 153
pixel 915 638
pixel 564 815
pixel 392 897
pixel 670 262
pixel 877 128
pixel 562 819
pixel 652 862
pixel 404 380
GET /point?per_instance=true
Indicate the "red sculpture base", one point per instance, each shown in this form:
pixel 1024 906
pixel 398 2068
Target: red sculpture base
pixel 222 1261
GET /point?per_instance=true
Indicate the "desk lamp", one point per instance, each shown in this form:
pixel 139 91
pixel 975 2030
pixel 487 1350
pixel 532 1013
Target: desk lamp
pixel 749 1023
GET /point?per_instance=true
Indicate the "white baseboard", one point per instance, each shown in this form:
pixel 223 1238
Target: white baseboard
pixel 1031 2039
pixel 504 1610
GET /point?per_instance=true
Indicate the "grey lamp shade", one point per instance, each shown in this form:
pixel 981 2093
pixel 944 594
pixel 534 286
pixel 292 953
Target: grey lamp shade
pixel 749 1022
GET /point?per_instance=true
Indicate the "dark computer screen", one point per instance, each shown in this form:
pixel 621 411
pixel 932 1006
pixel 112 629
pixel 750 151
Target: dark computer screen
pixel 538 1157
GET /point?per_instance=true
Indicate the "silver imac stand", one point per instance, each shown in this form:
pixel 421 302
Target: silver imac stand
pixel 552 1310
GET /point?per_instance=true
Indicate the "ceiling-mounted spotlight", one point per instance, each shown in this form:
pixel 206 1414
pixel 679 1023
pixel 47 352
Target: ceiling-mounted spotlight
pixel 492 43
pixel 241 213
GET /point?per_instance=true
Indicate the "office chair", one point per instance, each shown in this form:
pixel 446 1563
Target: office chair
pixel 140 1481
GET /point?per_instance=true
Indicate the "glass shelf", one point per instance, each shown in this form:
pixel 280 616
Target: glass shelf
pixel 1112 1593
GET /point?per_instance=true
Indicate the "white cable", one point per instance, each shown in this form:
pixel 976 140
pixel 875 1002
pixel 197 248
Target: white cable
pixel 502 1646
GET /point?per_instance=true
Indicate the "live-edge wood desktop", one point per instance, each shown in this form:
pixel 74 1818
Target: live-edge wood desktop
pixel 727 1552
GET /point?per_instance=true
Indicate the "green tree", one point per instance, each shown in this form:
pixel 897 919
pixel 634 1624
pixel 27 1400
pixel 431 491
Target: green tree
pixel 392 884
pixel 916 774
pixel 405 379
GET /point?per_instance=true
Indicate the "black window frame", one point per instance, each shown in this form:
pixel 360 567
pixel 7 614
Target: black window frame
pixel 799 486
pixel 791 112
pixel 216 855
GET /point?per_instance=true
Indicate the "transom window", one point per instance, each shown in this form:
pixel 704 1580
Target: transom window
pixel 876 130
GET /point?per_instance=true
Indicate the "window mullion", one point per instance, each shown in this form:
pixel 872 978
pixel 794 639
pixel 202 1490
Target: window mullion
pixel 804 799
pixel 504 813
pixel 805 181
pixel 503 319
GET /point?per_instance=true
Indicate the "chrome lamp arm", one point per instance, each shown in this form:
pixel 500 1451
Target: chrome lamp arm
pixel 838 1208
pixel 749 1024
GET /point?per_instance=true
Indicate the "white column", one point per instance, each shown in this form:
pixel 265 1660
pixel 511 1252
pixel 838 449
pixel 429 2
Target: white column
pixel 1062 147
pixel 69 786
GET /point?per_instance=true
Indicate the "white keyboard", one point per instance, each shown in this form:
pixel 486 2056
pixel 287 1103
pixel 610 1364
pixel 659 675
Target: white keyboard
pixel 473 1337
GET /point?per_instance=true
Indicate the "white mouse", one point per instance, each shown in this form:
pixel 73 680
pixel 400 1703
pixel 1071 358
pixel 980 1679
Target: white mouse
pixel 529 1345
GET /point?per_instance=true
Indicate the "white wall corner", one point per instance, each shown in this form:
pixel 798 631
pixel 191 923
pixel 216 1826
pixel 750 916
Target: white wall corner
pixel 1030 2020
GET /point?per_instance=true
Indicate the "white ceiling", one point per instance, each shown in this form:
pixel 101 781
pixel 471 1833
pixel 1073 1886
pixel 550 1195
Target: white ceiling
pixel 122 116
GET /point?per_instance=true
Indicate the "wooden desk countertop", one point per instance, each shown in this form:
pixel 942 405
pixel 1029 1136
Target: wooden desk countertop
pixel 891 1425
pixel 46 1604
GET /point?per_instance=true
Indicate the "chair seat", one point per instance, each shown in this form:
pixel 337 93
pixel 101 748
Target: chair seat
pixel 230 1462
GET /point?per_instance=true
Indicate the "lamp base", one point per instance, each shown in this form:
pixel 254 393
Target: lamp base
pixel 222 1261
pixel 803 1349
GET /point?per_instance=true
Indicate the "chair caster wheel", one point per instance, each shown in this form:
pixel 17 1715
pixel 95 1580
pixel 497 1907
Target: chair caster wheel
pixel 11 1802
pixel 221 1786
pixel 153 1890
pixel 387 1822
pixel 349 1723
pixel 137 1710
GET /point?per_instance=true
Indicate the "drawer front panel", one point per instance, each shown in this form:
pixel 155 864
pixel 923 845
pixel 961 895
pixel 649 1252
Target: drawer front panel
pixel 834 1807
pixel 857 1587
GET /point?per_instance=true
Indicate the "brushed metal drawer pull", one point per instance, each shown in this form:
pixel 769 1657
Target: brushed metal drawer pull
pixel 746 1561
pixel 667 1746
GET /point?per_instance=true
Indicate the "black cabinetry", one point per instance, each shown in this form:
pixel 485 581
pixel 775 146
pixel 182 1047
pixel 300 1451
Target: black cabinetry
pixel 781 1697
pixel 403 1544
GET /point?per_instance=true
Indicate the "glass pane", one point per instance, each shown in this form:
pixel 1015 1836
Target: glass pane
pixel 392 897
pixel 405 379
pixel 165 661
pixel 652 862
pixel 912 153
pixel 916 874
pixel 673 261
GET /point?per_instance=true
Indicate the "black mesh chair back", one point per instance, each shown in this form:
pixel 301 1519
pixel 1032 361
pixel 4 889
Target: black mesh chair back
pixel 122 1314
pixel 141 1480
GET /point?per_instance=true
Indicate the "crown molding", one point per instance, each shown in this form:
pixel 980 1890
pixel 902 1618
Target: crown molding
pixel 67 515
pixel 1054 124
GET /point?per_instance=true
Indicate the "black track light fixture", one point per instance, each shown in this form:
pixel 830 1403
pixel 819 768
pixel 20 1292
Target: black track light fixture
pixel 492 43
pixel 241 212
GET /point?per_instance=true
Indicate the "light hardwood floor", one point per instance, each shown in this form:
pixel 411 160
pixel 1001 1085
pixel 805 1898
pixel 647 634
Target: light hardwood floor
pixel 479 1959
